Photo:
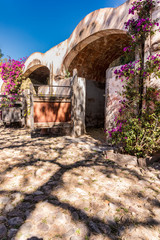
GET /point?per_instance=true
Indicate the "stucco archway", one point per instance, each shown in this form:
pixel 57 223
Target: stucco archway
pixel 91 58
pixel 93 55
pixel 38 74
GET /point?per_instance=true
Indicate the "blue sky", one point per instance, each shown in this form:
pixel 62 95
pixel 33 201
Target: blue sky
pixel 37 25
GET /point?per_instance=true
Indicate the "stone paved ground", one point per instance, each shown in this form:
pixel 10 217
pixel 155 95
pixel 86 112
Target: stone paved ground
pixel 63 188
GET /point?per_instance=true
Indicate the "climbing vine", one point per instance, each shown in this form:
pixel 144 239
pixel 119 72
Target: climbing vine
pixel 137 124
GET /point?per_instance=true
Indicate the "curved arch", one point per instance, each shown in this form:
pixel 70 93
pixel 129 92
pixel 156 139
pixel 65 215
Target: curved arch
pixel 98 21
pixel 93 55
pixel 31 69
pixel 40 74
pixel 34 61
pixel 92 38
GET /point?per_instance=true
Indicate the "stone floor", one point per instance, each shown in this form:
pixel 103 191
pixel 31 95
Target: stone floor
pixel 54 188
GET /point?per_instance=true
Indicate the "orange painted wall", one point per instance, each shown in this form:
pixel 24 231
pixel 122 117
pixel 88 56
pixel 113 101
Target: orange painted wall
pixel 52 112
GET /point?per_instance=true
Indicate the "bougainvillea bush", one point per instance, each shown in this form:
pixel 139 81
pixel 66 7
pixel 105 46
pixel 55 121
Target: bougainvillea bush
pixel 137 125
pixel 11 73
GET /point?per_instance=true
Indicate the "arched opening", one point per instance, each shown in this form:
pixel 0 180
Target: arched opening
pixel 40 76
pixel 91 63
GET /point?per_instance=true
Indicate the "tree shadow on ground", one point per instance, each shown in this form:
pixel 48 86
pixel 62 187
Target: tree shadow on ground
pixel 95 226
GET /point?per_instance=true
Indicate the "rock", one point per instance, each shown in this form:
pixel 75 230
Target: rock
pixel 94 227
pixel 110 220
pixel 122 159
pixel 15 213
pixel 3 231
pixel 28 198
pixel 25 205
pixel 27 213
pixel 16 221
pixel 35 238
pixel 75 216
pixel 74 238
pixel 55 202
pixel 40 198
pixel 142 162
pixel 53 183
pixel 38 193
pixel 101 214
pixel 12 232
pixel 69 234
pixel 133 211
pixel 43 227
pixel 57 177
pixel 3 219
pixel 17 198
pixel 112 206
pixel 158 197
pixel 27 226
pixel 4 200
pixel 9 207
pixel 105 228
pixel 47 189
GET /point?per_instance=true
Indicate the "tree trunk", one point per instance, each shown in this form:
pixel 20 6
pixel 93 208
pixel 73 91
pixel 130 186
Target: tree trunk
pixel 141 79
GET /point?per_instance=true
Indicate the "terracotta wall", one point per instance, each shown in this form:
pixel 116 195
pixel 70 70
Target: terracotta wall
pixel 52 112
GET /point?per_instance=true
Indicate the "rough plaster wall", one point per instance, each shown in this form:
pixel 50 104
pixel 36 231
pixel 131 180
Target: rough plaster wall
pixel 113 86
pixel 155 42
pixel 95 103
pixel 155 39
pixel 57 90
pixel 78 105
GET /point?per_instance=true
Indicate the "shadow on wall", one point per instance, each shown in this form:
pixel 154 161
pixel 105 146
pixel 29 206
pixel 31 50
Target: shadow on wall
pixel 52 112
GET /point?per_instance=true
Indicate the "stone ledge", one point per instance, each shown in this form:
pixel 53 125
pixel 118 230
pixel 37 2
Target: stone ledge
pixel 124 159
pixel 121 159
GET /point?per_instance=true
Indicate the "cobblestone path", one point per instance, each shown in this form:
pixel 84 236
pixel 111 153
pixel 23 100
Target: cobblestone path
pixel 65 189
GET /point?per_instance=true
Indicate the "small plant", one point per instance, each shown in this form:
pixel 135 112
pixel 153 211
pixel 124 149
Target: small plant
pixel 78 231
pixel 125 209
pixel 116 219
pixel 86 209
pixel 67 74
pixel 44 220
